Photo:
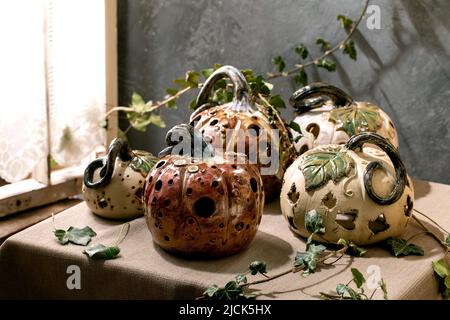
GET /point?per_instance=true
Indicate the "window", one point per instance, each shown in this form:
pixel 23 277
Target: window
pixel 57 80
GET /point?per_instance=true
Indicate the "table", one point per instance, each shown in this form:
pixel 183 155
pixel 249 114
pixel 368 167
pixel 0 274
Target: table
pixel 34 265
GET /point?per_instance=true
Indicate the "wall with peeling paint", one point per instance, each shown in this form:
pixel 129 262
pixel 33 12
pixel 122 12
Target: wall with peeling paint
pixel 404 67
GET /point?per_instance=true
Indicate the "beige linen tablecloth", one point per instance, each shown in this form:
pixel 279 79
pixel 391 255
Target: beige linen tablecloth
pixel 34 265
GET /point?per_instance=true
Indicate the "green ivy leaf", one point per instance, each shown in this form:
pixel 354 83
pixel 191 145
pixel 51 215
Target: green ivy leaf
pixel 171 91
pixel 279 62
pixel 441 268
pixel 259 85
pixel 346 22
pixel 313 221
pixel 358 277
pixel 301 78
pixel 400 247
pixel 327 64
pixel 353 249
pixel 258 267
pixel 277 102
pixel 231 291
pixel 383 287
pixel 101 252
pixel 138 104
pixel 192 78
pixel 143 163
pixel 74 235
pixel 295 126
pixel 324 44
pixel 349 48
pixel 355 119
pixel 207 72
pixel 248 74
pixel 343 289
pixel 172 104
pixel 310 258
pixel 302 51
pixel 321 166
pixel 241 278
pixel 138 121
pixel 157 121
pixel 211 291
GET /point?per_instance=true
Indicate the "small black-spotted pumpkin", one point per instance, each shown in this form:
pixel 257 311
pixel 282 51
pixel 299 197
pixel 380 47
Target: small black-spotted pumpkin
pixel 244 125
pixel 202 207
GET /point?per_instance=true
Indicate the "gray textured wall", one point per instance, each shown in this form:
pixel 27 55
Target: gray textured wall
pixel 404 67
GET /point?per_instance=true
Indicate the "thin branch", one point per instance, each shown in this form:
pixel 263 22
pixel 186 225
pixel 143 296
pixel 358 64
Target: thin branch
pixel 326 53
pixel 426 216
pixel 436 237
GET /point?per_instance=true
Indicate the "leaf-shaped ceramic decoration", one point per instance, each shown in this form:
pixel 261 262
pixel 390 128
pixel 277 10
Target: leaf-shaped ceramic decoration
pixel 356 118
pixel 143 163
pixel 321 166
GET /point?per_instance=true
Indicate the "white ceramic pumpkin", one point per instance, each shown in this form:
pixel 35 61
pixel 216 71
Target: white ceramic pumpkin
pixel 362 192
pixel 119 182
pixel 328 115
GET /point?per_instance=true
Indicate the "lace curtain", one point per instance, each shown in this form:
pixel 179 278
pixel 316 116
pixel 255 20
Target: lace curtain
pixel 53 53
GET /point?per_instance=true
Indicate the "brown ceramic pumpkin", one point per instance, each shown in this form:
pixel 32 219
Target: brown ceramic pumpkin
pixel 243 125
pixel 203 207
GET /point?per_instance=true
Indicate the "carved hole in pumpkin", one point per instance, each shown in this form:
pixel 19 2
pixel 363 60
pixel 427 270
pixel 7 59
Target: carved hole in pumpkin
pixel 408 206
pixel 347 219
pixel 293 194
pixel 204 207
pixel 303 149
pixel 314 129
pixel 239 226
pixel 254 184
pixel 379 224
pixel 166 203
pixel 170 181
pixel 150 179
pixel 160 164
pixel 214 122
pixel 215 184
pixel 329 200
pixel 189 191
pixel 254 130
pixel 196 119
pixel 158 185
pixel 166 238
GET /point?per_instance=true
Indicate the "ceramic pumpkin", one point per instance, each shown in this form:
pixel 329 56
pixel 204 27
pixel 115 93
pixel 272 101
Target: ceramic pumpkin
pixel 328 115
pixel 362 192
pixel 117 190
pixel 203 207
pixel 245 124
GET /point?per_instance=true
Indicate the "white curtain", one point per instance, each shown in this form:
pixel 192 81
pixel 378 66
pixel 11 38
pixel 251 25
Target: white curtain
pixel 54 47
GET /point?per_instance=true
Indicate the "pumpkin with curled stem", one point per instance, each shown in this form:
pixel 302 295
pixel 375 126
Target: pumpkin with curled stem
pixel 360 190
pixel 205 207
pixel 113 185
pixel 245 125
pixel 327 115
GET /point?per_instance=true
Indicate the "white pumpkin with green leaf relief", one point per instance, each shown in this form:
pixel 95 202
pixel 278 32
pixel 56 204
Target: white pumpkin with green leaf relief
pixel 360 190
pixel 327 115
pixel 113 185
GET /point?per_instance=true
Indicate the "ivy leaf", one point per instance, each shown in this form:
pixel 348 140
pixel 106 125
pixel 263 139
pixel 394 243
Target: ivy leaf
pixel 279 62
pixel 277 102
pixel 231 291
pixel 138 104
pixel 302 51
pixel 259 85
pixel 211 291
pixel 192 78
pixel 327 64
pixel 171 91
pixel 447 241
pixel 181 82
pixel 342 289
pixel 241 278
pixel 296 127
pixel 101 252
pixel 441 268
pixel 321 166
pixel 325 45
pixel 258 267
pixel 207 72
pixel 157 121
pixel 143 163
pixel 346 22
pixel 172 104
pixel 358 277
pixel 74 235
pixel 383 287
pixel 310 258
pixel 355 119
pixel 313 221
pixel 349 48
pixel 193 104
pixel 301 78
pixel 138 121
pixel 400 247
pixel 353 249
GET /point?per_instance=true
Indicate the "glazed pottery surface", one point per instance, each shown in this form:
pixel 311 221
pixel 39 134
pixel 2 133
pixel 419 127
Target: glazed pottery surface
pixel 362 192
pixel 245 126
pixel 327 115
pixel 117 194
pixel 202 207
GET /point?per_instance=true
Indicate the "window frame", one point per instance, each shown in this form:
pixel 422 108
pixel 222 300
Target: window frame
pixel 46 186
